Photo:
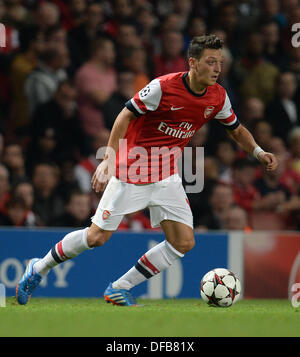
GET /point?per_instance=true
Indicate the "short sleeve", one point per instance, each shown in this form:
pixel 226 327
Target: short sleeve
pixel 147 99
pixel 226 115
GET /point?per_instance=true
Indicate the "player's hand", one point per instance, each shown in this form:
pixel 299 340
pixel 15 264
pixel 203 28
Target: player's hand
pixel 269 160
pixel 102 175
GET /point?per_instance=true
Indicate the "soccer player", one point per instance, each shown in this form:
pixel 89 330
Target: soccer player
pixel 166 113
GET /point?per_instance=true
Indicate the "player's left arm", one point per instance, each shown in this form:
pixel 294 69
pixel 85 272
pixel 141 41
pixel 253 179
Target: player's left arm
pixel 242 136
pixel 245 140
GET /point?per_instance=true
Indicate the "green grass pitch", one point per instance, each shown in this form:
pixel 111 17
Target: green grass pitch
pixel 157 318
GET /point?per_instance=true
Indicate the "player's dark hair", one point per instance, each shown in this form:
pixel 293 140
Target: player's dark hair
pixel 200 43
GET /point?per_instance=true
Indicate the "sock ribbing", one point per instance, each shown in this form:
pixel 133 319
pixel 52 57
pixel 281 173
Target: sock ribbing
pixel 150 264
pixel 69 247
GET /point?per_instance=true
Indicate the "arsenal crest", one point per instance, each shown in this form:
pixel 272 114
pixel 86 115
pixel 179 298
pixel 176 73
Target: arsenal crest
pixel 105 215
pixel 208 110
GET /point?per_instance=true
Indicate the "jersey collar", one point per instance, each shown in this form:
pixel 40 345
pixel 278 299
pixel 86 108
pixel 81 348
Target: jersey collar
pixel 189 89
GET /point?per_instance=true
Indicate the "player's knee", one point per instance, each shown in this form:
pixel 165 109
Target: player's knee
pixel 185 245
pixel 188 244
pixel 96 238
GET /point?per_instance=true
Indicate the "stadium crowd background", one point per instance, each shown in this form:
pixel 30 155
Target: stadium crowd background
pixel 69 66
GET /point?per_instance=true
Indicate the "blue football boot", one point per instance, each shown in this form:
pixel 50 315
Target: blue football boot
pixel 120 297
pixel 29 281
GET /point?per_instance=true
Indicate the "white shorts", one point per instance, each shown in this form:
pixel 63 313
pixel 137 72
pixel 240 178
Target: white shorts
pixel 166 199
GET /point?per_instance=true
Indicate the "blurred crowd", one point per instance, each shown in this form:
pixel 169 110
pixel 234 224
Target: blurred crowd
pixel 69 66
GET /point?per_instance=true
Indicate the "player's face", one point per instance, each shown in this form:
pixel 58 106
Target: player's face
pixel 207 69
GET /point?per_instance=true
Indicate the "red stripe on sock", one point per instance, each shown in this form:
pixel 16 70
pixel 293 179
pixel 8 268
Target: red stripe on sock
pixel 146 262
pixel 60 251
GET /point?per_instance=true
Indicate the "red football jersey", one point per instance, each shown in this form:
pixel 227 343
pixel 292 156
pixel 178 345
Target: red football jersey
pixel 168 114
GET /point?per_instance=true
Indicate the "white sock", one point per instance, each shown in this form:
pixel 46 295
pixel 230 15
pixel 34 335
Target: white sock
pixel 69 247
pixel 153 262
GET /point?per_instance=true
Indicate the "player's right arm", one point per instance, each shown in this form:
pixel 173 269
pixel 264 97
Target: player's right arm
pixel 245 140
pixel 101 175
pixel 238 133
pixel 147 99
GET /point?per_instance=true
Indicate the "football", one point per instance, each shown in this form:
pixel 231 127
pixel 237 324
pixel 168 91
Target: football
pixel 220 287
